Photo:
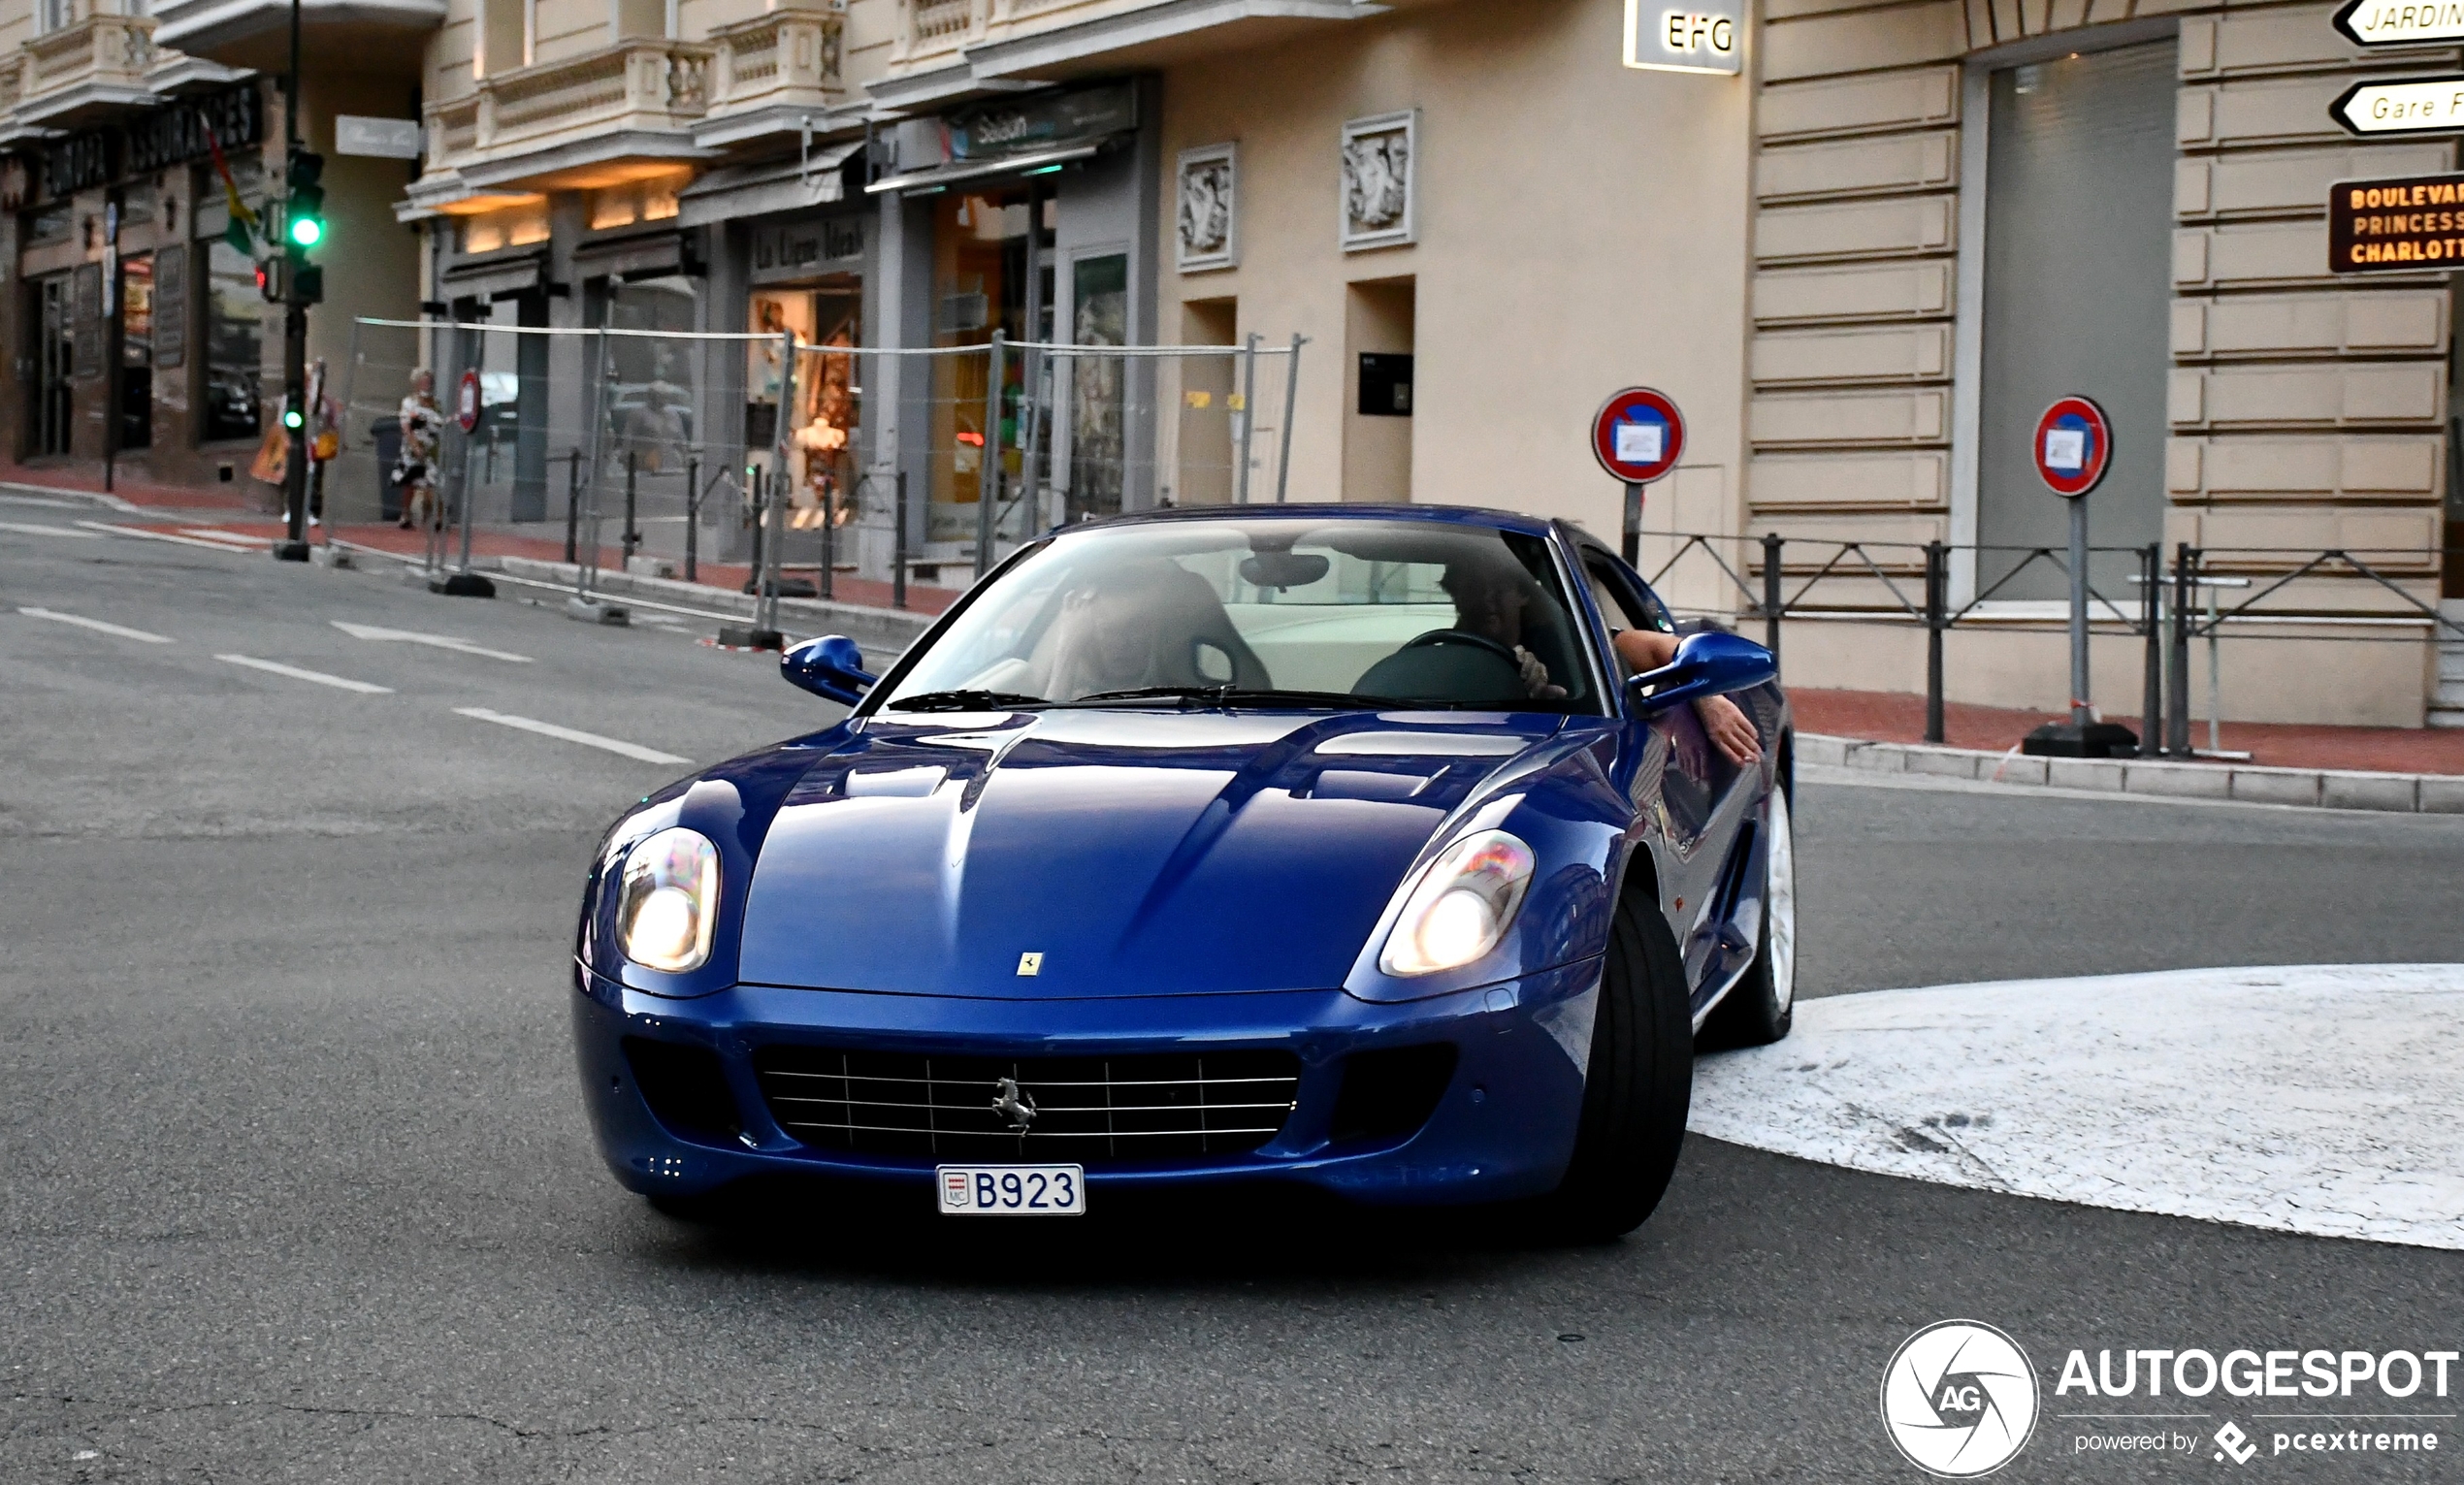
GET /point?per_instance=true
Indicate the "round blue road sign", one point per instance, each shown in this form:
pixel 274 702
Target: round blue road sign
pixel 2074 446
pixel 1638 436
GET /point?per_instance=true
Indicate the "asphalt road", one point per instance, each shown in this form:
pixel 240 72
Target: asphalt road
pixel 298 1187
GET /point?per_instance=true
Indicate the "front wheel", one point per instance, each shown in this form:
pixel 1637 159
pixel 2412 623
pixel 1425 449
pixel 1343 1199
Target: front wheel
pixel 1636 1088
pixel 1762 1006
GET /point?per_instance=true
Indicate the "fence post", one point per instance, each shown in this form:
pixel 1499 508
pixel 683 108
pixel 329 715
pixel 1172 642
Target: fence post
pixel 1292 394
pixel 1248 417
pixel 898 540
pixel 988 479
pixel 693 518
pixel 1937 577
pixel 632 531
pixel 1771 543
pixel 573 503
pixel 2151 595
pixel 829 538
pixel 2177 710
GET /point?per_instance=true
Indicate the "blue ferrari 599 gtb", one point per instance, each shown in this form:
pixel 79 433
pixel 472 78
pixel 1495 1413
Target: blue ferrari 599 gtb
pixel 1398 852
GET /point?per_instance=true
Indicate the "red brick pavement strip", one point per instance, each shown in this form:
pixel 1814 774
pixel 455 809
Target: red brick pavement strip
pixel 79 480
pixel 1888 717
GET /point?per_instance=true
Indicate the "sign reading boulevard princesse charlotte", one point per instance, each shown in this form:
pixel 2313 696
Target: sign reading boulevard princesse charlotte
pixel 2412 224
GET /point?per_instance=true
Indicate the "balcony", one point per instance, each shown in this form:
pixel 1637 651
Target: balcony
pixel 943 49
pixel 578 121
pixel 375 35
pixel 774 72
pixel 83 72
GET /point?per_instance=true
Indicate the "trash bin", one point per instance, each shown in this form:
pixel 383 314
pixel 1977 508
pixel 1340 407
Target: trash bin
pixel 389 451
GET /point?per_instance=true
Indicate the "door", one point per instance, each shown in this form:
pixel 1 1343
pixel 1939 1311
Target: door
pixel 54 366
pixel 2078 295
pixel 136 353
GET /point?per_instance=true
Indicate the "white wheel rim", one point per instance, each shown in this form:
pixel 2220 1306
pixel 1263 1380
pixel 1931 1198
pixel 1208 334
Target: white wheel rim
pixel 1779 903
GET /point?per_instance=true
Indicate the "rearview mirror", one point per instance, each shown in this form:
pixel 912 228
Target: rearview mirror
pixel 829 666
pixel 1711 664
pixel 1279 569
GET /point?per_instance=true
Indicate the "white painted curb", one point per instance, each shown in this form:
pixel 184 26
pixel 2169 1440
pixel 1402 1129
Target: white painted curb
pixel 2334 788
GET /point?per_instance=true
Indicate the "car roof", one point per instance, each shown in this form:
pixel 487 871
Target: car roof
pixel 1452 515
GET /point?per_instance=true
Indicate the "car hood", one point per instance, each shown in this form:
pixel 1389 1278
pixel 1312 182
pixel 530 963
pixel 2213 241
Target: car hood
pixel 1132 853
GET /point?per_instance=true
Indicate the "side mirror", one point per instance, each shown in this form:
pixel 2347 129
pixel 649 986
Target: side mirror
pixel 1711 664
pixel 829 666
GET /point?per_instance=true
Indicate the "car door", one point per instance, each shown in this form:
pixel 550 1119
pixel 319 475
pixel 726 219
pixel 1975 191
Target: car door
pixel 1697 801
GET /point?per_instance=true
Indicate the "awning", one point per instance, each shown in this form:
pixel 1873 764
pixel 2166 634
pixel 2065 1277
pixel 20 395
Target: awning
pixel 977 169
pixel 656 256
pixel 496 278
pixel 768 188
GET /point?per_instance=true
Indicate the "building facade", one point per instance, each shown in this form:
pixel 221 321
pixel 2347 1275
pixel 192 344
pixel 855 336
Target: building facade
pixel 1409 248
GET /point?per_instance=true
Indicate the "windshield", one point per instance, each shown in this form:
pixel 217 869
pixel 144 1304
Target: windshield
pixel 1278 611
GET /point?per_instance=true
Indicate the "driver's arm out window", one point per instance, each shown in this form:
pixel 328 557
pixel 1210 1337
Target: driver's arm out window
pixel 1621 610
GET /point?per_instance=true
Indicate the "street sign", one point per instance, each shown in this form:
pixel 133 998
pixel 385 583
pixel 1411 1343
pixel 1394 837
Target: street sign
pixel 383 138
pixel 2074 446
pixel 2401 105
pixel 466 402
pixel 2404 224
pixel 1638 436
pixel 2400 23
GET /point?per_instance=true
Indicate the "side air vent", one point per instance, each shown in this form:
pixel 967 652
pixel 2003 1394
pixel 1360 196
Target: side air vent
pixel 1388 1094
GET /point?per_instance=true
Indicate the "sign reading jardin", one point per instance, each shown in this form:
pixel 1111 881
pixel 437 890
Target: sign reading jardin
pixel 2400 23
pixel 2409 224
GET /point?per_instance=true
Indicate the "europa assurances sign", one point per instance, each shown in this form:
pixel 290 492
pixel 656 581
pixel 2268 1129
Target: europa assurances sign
pixel 2408 224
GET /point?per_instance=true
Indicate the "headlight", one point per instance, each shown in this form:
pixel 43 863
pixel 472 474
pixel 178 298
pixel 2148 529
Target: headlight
pixel 669 901
pixel 1462 906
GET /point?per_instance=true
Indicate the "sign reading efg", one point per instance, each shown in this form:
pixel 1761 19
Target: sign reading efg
pixel 2409 224
pixel 1685 36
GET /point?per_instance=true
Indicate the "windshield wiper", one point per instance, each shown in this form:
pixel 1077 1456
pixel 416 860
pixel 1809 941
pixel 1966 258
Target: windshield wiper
pixel 965 701
pixel 1231 695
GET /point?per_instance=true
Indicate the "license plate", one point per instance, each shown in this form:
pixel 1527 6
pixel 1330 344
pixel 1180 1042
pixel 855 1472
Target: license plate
pixel 1012 1190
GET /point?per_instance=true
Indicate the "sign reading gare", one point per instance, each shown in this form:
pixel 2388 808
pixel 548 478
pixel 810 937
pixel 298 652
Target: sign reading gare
pixel 2410 224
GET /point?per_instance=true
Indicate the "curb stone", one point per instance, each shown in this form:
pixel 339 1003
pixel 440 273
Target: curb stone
pixel 2334 788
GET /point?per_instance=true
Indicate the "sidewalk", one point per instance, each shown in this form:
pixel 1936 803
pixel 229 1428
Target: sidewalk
pixel 1886 717
pixel 241 495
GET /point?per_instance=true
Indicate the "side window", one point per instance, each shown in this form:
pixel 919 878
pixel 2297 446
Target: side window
pixel 1620 603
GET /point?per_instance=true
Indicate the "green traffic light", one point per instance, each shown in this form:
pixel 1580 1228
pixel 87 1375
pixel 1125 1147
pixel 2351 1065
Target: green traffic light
pixel 291 417
pixel 307 230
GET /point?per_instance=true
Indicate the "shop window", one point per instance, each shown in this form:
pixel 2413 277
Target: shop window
pixel 1098 446
pixel 55 366
pixel 651 382
pixel 2077 293
pixel 235 346
pixel 824 423
pixel 137 351
pixel 993 255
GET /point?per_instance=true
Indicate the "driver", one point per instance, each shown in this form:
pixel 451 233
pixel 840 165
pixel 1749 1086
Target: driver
pixel 1490 599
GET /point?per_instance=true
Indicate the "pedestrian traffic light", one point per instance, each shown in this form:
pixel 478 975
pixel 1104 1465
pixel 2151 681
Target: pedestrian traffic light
pixel 304 215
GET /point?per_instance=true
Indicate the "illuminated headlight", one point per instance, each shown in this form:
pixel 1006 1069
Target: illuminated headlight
pixel 670 900
pixel 1462 907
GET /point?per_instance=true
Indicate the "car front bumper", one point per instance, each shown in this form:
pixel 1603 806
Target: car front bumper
pixel 1503 1128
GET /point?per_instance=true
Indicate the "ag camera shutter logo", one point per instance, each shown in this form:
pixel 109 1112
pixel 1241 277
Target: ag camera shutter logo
pixel 1959 1398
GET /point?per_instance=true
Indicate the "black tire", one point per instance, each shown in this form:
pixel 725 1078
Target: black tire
pixel 1759 1009
pixel 1639 1084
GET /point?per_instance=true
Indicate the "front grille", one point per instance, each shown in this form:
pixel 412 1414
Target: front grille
pixel 1157 1106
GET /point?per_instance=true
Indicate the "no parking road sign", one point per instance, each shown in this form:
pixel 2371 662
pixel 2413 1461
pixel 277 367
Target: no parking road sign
pixel 467 402
pixel 2074 446
pixel 1636 436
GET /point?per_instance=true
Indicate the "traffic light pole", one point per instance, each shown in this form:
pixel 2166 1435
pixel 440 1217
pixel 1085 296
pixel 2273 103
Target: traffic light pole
pixel 293 547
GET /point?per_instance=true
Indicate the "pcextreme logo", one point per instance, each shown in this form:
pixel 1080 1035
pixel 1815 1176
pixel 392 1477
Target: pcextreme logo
pixel 1959 1398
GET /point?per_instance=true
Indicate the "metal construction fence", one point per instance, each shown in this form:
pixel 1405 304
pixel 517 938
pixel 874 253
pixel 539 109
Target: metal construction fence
pixel 2336 594
pixel 804 457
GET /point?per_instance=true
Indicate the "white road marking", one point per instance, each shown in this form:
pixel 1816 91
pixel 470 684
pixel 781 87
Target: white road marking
pixel 570 734
pixel 2312 1099
pixel 122 631
pixel 226 538
pixel 337 681
pixel 24 529
pixel 413 636
pixel 143 534
pixel 10 495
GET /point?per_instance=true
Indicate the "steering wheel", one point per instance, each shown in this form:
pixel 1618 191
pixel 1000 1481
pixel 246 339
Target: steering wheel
pixel 1505 653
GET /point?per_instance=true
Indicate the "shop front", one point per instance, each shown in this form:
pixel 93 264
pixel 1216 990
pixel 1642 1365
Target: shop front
pixel 1022 223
